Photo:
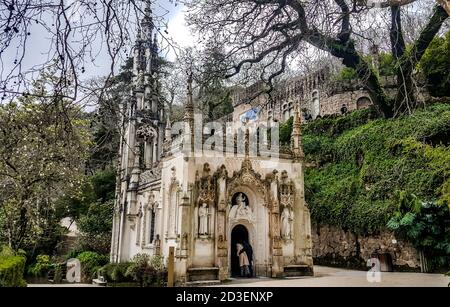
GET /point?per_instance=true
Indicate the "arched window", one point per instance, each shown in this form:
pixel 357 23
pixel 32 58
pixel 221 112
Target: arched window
pixel 152 218
pixel 363 103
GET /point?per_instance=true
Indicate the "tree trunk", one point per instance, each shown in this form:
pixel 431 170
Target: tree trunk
pixel 407 62
pixel 351 58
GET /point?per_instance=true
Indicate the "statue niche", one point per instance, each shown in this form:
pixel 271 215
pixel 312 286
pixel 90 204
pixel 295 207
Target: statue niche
pixel 240 208
pixel 287 217
pixel 203 219
pixel 287 202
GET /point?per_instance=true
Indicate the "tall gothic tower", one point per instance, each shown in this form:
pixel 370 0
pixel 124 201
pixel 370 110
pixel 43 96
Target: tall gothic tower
pixel 143 131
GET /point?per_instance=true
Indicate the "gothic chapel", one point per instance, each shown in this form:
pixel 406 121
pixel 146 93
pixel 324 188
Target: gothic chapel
pixel 203 204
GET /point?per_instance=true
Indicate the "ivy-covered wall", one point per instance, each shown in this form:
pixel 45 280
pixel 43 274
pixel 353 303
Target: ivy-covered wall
pixel 367 173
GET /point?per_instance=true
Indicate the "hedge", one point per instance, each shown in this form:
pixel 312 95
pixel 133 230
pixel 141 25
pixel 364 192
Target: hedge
pixel 11 271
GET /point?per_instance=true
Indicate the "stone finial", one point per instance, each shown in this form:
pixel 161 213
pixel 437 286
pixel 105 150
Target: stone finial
pixel 296 138
pixel 168 132
pixel 189 116
pixel 189 106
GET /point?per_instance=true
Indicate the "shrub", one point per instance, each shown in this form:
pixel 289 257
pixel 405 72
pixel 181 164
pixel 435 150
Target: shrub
pixel 41 267
pixel 147 271
pixel 91 262
pixel 346 74
pixel 12 268
pixel 74 253
pixel 116 272
pixel 95 227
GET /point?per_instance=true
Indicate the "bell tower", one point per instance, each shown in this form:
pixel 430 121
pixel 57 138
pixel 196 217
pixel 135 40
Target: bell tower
pixel 143 131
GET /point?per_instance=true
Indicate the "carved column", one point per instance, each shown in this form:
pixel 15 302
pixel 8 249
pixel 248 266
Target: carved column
pixel 185 207
pixel 301 223
pixel 277 251
pixel 221 238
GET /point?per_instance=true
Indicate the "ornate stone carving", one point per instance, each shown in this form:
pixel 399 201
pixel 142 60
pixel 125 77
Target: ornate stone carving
pixel 241 210
pixel 150 175
pixel 222 247
pixel 247 177
pixel 206 187
pixel 286 191
pixel 287 217
pixel 146 132
pixel 277 250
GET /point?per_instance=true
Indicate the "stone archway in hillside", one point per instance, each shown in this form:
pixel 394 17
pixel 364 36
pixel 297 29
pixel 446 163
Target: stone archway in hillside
pixel 363 103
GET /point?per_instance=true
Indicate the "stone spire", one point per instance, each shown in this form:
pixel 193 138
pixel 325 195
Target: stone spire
pixel 189 116
pixel 168 132
pixel 296 138
pixel 147 22
pixel 189 106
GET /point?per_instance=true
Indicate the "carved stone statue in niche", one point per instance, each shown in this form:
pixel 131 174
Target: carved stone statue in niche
pixel 241 209
pixel 287 218
pixel 203 216
pixel 157 244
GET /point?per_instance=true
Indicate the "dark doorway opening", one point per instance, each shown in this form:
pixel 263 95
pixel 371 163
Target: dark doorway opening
pixel 238 234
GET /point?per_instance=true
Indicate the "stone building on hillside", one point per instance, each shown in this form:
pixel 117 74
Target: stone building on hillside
pixel 317 94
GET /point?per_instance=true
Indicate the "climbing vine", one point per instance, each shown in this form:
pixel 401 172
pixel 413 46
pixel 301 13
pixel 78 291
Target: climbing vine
pixel 362 163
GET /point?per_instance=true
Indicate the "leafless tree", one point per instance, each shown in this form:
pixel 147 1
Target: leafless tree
pixel 73 36
pixel 173 86
pixel 270 33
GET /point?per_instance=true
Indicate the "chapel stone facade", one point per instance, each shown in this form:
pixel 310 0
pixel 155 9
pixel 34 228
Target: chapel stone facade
pixel 178 189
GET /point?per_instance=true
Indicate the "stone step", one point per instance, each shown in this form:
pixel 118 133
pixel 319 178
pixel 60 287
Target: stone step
pixel 99 282
pixel 297 270
pixel 203 274
pixel 203 283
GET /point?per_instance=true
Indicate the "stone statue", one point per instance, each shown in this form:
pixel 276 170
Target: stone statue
pixel 241 210
pixel 157 245
pixel 203 214
pixel 286 223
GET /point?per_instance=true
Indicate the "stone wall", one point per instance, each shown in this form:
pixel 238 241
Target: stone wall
pixel 333 246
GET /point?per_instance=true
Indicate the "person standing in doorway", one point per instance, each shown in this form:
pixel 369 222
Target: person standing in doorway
pixel 243 260
pixel 249 251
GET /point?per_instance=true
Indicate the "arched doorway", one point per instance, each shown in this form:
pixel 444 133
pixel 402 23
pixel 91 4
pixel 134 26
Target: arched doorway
pixel 363 103
pixel 238 234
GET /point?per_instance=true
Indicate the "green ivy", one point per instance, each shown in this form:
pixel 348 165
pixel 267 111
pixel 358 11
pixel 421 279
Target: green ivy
pixel 435 65
pixel 362 162
pixel 12 267
pixel 41 267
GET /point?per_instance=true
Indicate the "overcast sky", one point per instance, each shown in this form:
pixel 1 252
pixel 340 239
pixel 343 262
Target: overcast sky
pixel 39 45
